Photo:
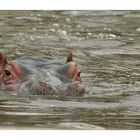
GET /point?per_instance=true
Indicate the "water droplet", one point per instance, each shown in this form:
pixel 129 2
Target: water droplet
pixel 77 33
pixel 67 19
pixel 34 29
pixel 79 26
pixel 56 25
pixel 39 15
pixel 112 36
pixel 62 32
pixel 31 38
pixel 89 34
pixel 138 29
pixel 52 30
pixel 21 34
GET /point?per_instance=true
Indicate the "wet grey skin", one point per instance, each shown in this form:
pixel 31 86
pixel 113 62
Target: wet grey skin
pixel 53 74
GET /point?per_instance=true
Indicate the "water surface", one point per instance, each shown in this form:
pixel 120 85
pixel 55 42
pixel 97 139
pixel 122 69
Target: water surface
pixel 106 47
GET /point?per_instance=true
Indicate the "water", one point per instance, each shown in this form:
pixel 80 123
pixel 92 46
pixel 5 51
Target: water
pixel 106 47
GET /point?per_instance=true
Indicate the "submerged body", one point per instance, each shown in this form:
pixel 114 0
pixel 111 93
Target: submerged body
pixel 41 75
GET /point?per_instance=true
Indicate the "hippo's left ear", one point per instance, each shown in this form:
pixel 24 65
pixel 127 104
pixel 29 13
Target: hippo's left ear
pixel 3 59
pixel 69 57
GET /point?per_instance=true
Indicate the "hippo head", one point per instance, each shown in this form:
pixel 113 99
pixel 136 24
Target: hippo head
pixel 57 77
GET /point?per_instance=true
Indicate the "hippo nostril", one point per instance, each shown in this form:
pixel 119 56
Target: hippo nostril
pixel 7 72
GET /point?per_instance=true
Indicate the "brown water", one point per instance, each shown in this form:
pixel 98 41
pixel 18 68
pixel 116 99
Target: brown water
pixel 106 46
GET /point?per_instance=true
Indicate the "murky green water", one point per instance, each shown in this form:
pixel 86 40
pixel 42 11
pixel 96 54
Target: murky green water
pixel 106 46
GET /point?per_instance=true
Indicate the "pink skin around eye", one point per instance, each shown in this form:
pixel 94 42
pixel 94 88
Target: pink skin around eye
pixel 74 71
pixel 1 69
pixel 11 80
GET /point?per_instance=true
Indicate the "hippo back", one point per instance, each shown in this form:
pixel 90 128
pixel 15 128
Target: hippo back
pixel 35 63
pixel 46 75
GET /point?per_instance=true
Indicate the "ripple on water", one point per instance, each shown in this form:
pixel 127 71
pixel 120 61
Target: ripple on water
pixel 106 48
pixel 95 43
pixel 29 18
pixel 79 126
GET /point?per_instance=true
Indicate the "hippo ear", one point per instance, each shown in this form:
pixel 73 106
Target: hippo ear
pixel 3 59
pixel 69 57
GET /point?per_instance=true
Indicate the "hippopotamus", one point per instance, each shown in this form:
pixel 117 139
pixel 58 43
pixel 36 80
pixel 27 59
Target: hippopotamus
pixel 41 75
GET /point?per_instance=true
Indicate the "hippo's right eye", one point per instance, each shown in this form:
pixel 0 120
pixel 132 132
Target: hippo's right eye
pixel 7 73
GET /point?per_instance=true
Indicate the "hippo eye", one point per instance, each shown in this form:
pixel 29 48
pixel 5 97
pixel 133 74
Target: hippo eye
pixel 7 73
